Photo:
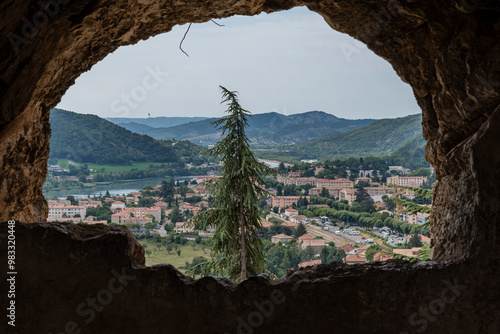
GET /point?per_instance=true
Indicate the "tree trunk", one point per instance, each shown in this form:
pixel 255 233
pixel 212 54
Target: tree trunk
pixel 243 243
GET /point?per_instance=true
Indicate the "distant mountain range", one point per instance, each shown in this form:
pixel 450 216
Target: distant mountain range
pixel 379 138
pixel 312 135
pixel 155 122
pixel 91 139
pixel 264 129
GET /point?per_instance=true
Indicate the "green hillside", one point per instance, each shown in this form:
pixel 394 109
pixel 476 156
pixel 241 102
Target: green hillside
pixel 264 129
pixel 411 154
pixel 379 138
pixel 91 139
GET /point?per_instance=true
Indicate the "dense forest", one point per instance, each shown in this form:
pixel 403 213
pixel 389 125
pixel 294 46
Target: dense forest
pixel 379 138
pixel 91 139
pixel 267 128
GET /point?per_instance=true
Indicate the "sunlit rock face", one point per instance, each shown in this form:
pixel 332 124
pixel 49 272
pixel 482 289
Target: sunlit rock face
pixel 447 51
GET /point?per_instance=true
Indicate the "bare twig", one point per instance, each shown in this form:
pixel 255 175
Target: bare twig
pixel 185 34
pixel 220 25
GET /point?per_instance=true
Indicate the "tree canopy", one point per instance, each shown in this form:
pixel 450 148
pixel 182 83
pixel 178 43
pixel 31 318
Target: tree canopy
pixel 238 251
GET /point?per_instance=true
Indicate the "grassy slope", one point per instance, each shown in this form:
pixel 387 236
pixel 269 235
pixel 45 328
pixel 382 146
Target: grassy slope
pixel 161 256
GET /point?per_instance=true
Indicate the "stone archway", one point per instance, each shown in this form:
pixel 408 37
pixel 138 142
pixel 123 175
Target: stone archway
pixel 447 51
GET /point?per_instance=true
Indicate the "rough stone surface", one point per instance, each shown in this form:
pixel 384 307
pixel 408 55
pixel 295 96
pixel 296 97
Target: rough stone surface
pixel 63 269
pixel 448 51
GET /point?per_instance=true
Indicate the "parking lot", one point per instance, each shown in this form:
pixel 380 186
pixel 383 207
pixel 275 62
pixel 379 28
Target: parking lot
pixel 392 238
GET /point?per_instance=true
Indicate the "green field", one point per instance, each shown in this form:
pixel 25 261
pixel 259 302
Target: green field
pixel 161 256
pixel 64 163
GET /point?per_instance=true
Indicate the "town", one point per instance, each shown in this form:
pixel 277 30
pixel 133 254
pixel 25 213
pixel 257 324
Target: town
pixel 312 217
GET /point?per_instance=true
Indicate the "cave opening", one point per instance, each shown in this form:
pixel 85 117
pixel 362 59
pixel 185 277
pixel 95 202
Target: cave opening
pixel 293 54
pixel 443 50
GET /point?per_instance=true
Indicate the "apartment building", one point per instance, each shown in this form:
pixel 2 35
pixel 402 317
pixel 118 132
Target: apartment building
pixel 286 201
pixel 58 211
pixel 407 181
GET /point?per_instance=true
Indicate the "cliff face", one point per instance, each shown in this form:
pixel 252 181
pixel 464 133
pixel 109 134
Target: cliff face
pixel 448 52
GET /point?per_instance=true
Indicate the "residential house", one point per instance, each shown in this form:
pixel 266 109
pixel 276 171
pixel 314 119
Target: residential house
pixel 355 259
pixel 289 212
pixel 309 263
pixel 316 244
pixel 298 219
pixel 413 252
pixel 305 237
pixel 281 238
pixel 347 248
pixel 381 257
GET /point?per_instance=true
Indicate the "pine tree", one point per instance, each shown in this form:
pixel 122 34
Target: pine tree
pixel 300 230
pixel 235 212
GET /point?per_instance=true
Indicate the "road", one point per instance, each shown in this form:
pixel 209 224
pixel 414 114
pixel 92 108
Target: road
pixel 315 231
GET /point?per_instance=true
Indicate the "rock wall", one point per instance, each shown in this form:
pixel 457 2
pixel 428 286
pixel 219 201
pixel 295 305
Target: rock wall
pixel 448 52
pixel 92 279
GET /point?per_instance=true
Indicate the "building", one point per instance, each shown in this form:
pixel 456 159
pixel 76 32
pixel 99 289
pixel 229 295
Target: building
pixel 91 220
pixel 347 194
pixel 182 227
pixel 309 263
pixel 355 259
pixel 58 211
pixel 88 203
pixel 380 256
pixel 316 244
pixel 407 252
pixel 286 201
pixel 281 238
pixel 418 218
pixel 297 219
pixel 336 183
pixel 54 168
pixel 376 193
pixel 332 191
pixel 290 212
pixel 422 237
pixel 363 179
pixel 117 205
pixel 407 181
pixel 131 215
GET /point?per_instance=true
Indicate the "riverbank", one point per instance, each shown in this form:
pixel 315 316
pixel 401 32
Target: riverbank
pixel 274 163
pixel 121 187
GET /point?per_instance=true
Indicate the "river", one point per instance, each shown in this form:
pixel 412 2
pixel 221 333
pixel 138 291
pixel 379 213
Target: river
pixel 113 188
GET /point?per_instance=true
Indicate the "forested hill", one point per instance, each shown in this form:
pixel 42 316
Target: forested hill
pixel 91 139
pixel 268 128
pixel 379 138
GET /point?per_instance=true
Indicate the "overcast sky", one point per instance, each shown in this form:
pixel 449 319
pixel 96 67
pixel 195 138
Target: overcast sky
pixel 288 62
